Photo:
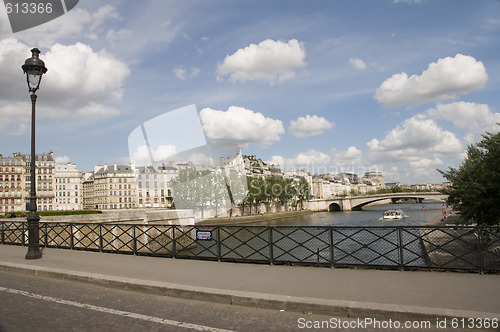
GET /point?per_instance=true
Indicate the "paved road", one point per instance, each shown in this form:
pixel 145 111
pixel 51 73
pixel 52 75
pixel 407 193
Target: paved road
pixel 40 304
pixel 337 292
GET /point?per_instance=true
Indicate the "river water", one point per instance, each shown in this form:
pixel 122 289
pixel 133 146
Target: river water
pixel 418 215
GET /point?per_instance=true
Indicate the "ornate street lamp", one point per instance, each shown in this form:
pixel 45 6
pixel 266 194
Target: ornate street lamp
pixel 34 68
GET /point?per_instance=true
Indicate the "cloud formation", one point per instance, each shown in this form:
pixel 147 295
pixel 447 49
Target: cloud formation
pixel 79 83
pixel 270 61
pixel 181 73
pixel 240 124
pixel 475 118
pixel 304 159
pixel 309 126
pixel 357 63
pixel 141 156
pixel 351 157
pixel 76 22
pixel 417 137
pixel 442 80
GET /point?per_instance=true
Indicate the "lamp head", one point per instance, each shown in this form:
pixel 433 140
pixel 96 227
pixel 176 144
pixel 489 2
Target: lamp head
pixel 34 68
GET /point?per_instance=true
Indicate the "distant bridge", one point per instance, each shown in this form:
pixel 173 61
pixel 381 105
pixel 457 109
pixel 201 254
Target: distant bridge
pixel 353 203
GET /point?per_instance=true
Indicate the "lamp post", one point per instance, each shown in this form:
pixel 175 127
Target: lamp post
pixel 34 68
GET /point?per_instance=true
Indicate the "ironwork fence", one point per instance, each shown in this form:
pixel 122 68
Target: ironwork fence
pixel 402 247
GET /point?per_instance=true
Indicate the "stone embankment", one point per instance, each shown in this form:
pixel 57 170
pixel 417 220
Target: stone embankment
pixel 253 218
pixel 132 216
pixel 458 247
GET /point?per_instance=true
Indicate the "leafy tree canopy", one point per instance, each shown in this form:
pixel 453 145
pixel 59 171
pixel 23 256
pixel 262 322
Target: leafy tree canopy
pixel 475 189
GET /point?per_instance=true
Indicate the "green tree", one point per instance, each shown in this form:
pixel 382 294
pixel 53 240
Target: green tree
pixel 475 189
pixel 303 190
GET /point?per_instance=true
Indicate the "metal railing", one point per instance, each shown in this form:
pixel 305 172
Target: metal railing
pixel 402 247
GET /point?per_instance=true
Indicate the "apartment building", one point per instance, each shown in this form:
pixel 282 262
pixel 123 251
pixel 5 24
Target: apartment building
pixel 68 188
pixel 12 193
pixel 153 185
pixel 88 191
pixel 45 169
pixel 114 187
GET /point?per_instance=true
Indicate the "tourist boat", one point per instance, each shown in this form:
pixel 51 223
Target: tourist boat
pixel 394 215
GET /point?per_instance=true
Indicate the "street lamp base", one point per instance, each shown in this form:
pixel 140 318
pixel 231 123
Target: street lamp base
pixel 34 253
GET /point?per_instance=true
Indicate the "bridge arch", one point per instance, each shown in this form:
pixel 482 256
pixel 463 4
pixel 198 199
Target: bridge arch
pixel 359 202
pixel 359 207
pixel 334 207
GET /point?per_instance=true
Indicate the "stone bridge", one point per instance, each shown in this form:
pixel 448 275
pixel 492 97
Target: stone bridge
pixel 357 202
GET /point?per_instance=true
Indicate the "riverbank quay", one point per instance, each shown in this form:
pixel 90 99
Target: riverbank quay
pixel 254 218
pixel 349 293
pixel 447 217
pixel 454 246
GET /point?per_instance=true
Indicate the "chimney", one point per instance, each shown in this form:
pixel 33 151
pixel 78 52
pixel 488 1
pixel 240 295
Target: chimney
pixel 114 166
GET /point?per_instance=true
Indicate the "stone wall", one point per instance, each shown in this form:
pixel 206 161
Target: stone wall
pixel 171 217
pixel 247 210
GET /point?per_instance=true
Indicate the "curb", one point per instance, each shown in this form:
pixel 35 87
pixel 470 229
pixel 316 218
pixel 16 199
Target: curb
pixel 333 308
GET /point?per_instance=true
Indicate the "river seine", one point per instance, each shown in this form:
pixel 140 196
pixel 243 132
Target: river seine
pixel 418 215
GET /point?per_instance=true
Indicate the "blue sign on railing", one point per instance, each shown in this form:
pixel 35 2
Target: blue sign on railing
pixel 204 235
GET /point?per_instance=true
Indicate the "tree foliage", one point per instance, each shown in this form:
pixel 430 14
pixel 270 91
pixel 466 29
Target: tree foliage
pixel 475 189
pixel 271 189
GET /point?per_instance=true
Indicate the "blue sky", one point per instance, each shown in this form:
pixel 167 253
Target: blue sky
pixel 401 87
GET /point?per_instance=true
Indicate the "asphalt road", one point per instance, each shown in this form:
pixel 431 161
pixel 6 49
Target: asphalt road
pixel 30 303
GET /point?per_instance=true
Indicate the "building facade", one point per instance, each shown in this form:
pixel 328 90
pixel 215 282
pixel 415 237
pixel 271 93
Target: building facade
pixel 45 168
pixel 68 188
pixel 88 191
pixel 114 187
pixel 12 183
pixel 153 185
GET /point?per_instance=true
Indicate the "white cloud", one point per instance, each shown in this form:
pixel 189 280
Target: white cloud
pixel 79 83
pixel 61 160
pixel 357 63
pixel 122 34
pixel 310 126
pixel 304 159
pixel 180 73
pixel 351 157
pixel 15 118
pixel 475 118
pixel 76 72
pixel 442 80
pixel 426 163
pixel 417 138
pixel 103 14
pixel 240 124
pixel 141 156
pixel 183 74
pixel 271 61
pixel 76 22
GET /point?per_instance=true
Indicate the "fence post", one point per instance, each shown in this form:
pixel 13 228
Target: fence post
pixel 479 250
pixel 71 240
pixel 134 241
pixel 219 249
pixel 400 244
pixel 331 246
pixel 174 246
pixel 23 236
pixel 46 237
pixel 100 238
pixel 2 234
pixel 271 258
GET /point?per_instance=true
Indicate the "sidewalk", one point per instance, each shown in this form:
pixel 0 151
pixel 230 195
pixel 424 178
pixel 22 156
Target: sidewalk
pixel 335 292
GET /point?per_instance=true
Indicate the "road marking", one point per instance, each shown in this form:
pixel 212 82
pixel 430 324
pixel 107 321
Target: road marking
pixel 115 311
